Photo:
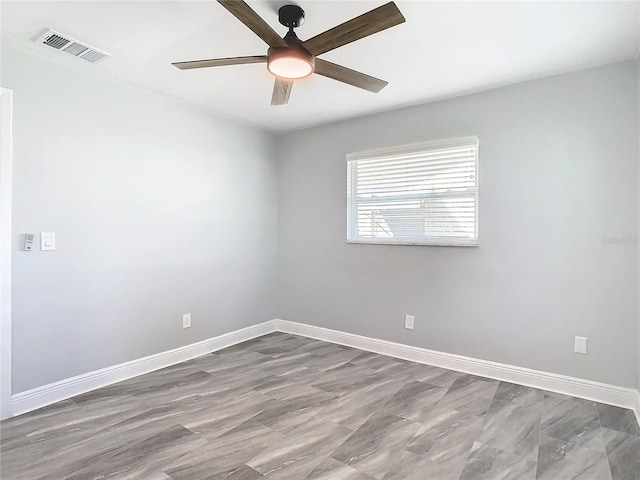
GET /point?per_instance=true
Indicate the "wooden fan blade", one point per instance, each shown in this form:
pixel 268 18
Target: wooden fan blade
pixel 281 91
pixel 375 21
pixel 251 19
pixel 219 62
pixel 346 75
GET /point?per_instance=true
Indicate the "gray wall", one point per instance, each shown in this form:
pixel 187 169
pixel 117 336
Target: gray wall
pixel 159 210
pixel 558 174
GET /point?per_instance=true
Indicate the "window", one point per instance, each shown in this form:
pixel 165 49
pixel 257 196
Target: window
pixel 414 195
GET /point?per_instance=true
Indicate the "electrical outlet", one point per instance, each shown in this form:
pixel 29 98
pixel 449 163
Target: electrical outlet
pixel 580 345
pixel 408 321
pixel 186 320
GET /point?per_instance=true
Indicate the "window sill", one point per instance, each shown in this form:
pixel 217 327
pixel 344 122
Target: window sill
pixel 418 243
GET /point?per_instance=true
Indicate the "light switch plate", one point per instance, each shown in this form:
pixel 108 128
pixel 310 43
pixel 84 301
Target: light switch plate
pixel 47 241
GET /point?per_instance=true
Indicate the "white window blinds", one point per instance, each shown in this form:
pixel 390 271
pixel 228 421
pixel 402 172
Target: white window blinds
pixel 415 195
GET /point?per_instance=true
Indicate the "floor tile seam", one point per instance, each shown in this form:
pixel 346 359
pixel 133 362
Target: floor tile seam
pixel 466 459
pixel 539 443
pixel 537 446
pixel 604 445
pixel 521 456
pixel 31 444
pixel 606 450
pixel 626 434
pixel 515 406
pixel 395 392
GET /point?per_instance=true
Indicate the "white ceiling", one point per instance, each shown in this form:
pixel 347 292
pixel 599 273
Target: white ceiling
pixel 443 50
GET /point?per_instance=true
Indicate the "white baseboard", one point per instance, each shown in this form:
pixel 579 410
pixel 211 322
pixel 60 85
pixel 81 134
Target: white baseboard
pixel 54 392
pixel 576 387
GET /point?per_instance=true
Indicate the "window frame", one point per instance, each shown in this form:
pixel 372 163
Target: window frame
pixel 410 149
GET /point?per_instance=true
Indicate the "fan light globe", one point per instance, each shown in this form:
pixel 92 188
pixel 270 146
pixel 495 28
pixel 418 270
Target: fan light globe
pixel 290 63
pixel 290 68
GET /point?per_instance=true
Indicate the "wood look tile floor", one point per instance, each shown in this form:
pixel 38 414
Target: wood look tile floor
pixel 288 407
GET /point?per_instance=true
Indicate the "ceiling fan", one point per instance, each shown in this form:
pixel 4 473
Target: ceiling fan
pixel 289 58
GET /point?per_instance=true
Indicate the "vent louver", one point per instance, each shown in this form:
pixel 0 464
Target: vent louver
pixel 66 44
pixel 56 41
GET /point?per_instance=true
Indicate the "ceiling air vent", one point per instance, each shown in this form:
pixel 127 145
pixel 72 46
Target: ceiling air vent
pixel 66 44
